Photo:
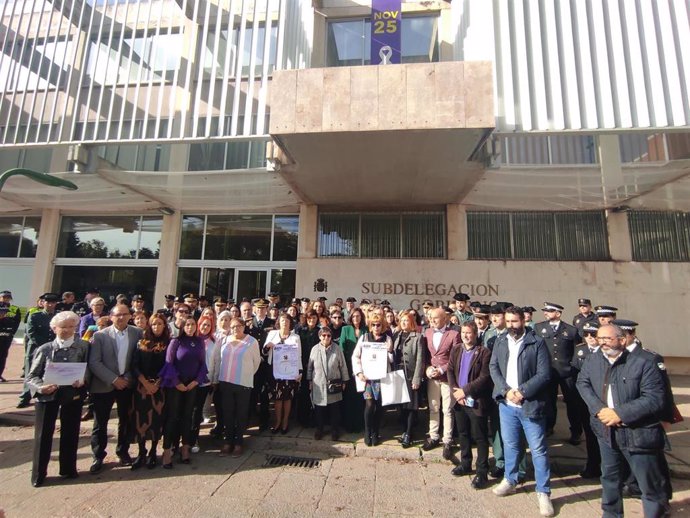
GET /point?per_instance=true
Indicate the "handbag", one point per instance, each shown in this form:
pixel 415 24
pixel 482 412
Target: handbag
pixel 334 386
pixel 394 389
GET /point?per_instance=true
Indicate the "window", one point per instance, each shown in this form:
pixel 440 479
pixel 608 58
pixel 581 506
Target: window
pixel 110 280
pixel 382 235
pixel 137 57
pixel 213 156
pixel 660 235
pixel 19 236
pixel 215 58
pixel 240 238
pixel 546 149
pixel 32 64
pixel 36 159
pixel 349 41
pixel 562 236
pixel 110 237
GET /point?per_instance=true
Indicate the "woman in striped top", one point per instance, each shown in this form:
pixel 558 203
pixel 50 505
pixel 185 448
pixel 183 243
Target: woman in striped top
pixel 233 366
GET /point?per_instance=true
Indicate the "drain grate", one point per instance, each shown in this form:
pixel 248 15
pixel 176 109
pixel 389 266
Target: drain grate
pixel 288 460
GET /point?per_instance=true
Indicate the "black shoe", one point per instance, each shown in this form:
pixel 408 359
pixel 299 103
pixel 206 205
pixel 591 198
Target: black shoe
pixel 430 444
pixel 284 431
pixel 263 427
pixel 496 472
pixel 318 435
pixel 139 461
pixel 2 380
pixel 274 430
pixel 168 466
pixel 69 476
pixel 88 415
pixel 447 451
pixel 406 441
pixel 375 439
pixel 590 473
pixel 335 435
pixel 151 461
pixel 575 439
pixel 460 470
pixel 125 459
pixel 23 404
pixel 96 466
pixel 479 481
pixel 367 440
pixel 38 482
pixel 215 432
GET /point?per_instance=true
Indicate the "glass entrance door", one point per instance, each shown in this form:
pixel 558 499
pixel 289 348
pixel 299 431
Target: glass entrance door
pixel 250 284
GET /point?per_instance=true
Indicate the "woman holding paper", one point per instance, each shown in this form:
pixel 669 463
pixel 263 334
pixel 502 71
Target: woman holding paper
pixel 366 366
pixel 283 390
pixel 408 357
pixel 327 375
pixel 55 399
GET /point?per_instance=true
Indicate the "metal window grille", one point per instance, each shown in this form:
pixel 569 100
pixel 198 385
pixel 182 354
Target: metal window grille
pixel 660 235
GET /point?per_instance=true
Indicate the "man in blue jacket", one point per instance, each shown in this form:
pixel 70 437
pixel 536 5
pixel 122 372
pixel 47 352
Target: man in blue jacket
pixel 520 368
pixel 625 396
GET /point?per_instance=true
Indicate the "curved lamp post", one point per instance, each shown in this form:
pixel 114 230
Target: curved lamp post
pixel 46 179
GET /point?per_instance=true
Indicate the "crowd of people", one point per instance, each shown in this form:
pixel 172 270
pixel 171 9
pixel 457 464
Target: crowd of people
pixel 488 374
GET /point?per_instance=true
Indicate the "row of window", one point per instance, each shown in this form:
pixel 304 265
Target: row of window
pixel 657 236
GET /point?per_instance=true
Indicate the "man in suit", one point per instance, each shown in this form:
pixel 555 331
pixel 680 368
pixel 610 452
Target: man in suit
pixel 561 339
pixel 439 339
pixel 520 369
pixel 259 327
pixel 112 382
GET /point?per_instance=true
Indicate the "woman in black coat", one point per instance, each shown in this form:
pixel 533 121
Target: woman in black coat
pixel 408 357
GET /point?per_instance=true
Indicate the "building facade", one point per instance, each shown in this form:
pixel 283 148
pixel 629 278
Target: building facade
pixel 521 150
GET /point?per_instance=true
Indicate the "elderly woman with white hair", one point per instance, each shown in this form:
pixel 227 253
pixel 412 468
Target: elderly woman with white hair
pixel 53 400
pixel 97 306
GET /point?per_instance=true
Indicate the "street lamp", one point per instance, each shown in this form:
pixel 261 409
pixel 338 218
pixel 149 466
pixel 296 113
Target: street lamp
pixel 46 179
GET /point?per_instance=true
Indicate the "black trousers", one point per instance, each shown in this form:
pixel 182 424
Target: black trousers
pixel 179 408
pixel 5 343
pixel 333 410
pixel 218 407
pixel 471 426
pixel 44 428
pixel 102 405
pixel 260 392
pixel 235 411
pixel 570 396
pixel 593 462
pixel 197 414
pixel 25 396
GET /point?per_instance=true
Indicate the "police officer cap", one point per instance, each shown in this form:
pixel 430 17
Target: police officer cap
pixel 189 296
pixel 350 299
pixel 426 304
pixel 6 293
pixel 203 297
pixel 504 305
pixel 605 310
pixel 260 303
pixel 385 302
pixel 366 301
pixel 552 306
pixel 170 297
pixel 137 297
pixel 584 302
pixel 4 307
pixel 296 300
pixel 497 309
pixel 590 327
pixel 461 297
pixel 179 300
pixel 274 294
pixel 447 309
pixel 529 309
pixel 306 299
pixel 483 311
pixel 625 325
pixel 475 304
pixel 221 300
pixel 230 301
pixel 246 299
pixel 51 297
pixel 323 299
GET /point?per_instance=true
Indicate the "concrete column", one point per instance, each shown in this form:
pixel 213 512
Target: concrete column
pixel 45 253
pixel 456 225
pixel 620 244
pixel 166 277
pixel 308 231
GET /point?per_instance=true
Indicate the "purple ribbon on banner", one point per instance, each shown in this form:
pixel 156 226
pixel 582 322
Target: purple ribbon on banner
pixel 386 29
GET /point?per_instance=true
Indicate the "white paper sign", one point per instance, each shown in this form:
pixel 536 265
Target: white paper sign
pixel 394 389
pixel 59 373
pixel 374 360
pixel 287 361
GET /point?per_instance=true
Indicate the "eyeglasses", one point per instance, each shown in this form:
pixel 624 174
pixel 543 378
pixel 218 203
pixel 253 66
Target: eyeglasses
pixel 591 334
pixel 336 317
pixel 375 325
pixel 324 335
pixel 607 338
pixel 120 315
pixel 183 311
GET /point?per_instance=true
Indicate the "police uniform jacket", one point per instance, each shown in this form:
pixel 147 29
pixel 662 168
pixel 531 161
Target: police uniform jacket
pixel 561 344
pixel 667 414
pixel 637 389
pixel 579 320
pixel 75 353
pixel 582 352
pixel 479 384
pixel 81 308
pixel 534 372
pixel 38 329
pixel 260 331
pixel 10 323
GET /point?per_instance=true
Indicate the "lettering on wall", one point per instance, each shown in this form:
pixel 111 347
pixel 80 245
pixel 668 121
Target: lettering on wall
pixel 436 293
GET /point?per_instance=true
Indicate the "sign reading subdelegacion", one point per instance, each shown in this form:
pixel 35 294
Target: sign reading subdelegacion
pixel 386 30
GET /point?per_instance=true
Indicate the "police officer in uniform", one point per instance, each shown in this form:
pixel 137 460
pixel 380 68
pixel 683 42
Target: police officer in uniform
pixel 462 308
pixel 605 314
pixel 167 310
pixel 561 339
pixel 585 315
pixel 10 318
pixel 529 311
pixel 259 328
pixel 590 345
pixel 38 332
pixel 84 307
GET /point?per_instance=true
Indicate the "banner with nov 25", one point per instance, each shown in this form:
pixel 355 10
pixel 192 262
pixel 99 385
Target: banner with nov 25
pixel 386 30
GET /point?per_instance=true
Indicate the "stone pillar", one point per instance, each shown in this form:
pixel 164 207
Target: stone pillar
pixel 166 277
pixel 620 245
pixel 456 224
pixel 308 231
pixel 45 253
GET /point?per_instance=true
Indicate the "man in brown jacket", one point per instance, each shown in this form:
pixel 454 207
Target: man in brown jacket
pixel 439 340
pixel 470 383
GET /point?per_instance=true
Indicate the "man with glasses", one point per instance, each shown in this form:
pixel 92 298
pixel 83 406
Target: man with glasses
pixel 181 314
pixel 586 315
pixel 625 396
pixel 112 382
pixel 220 304
pixel 167 310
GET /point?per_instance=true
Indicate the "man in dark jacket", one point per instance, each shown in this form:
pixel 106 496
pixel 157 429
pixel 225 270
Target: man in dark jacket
pixel 520 368
pixel 259 327
pixel 625 396
pixel 561 339
pixel 470 384
pixel 10 318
